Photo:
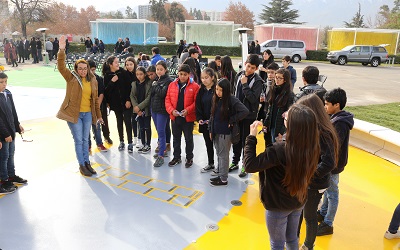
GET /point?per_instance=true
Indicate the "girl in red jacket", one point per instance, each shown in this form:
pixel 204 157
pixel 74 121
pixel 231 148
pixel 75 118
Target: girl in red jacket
pixel 180 104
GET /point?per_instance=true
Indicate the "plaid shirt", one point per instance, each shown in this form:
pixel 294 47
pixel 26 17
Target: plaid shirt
pixel 144 63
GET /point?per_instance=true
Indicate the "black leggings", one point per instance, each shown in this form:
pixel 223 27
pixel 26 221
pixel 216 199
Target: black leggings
pixel 209 146
pixel 124 116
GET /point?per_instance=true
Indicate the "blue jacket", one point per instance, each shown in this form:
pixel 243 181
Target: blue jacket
pixel 156 58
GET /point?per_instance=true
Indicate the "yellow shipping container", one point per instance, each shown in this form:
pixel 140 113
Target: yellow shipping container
pixel 340 38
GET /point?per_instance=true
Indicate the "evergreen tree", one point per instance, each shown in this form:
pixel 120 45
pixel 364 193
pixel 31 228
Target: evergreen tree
pixel 357 21
pixel 278 11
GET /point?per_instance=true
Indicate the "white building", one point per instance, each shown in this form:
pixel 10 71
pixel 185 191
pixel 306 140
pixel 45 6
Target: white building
pixel 144 11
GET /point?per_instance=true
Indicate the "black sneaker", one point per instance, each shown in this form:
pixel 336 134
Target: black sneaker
pixel 8 184
pixel 121 146
pixel 242 173
pixel 130 148
pixel 189 163
pixel 214 179
pixel 174 162
pixel 7 190
pixel 324 229
pixel 140 149
pixel 233 167
pixel 320 218
pixel 17 179
pixel 145 149
pixel 219 182
pixel 207 168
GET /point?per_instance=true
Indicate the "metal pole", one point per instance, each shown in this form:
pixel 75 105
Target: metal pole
pixel 245 49
pixel 397 43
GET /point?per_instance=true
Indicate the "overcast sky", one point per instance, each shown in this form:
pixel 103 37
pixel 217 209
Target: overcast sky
pixel 313 12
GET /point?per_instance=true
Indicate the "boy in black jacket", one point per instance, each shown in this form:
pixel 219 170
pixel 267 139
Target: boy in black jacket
pixel 335 101
pixel 247 88
pixel 9 125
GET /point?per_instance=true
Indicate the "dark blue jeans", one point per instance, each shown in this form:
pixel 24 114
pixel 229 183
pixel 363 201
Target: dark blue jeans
pixel 395 222
pixel 187 128
pixel 80 132
pixel 160 122
pixel 7 167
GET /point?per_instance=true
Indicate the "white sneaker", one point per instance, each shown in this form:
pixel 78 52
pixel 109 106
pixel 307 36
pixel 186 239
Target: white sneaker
pixel 388 235
pixel 135 141
pixel 139 145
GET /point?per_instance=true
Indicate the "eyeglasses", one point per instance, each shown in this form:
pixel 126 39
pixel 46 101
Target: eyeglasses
pixel 279 78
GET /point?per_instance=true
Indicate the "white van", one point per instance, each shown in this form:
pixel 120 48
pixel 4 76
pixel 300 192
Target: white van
pixel 281 47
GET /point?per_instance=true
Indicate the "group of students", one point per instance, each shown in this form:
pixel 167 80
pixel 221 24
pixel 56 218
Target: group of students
pixel 292 181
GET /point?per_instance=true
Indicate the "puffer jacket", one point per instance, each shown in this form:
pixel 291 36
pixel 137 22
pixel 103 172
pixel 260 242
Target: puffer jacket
pixel 158 93
pixel 189 100
pixel 69 110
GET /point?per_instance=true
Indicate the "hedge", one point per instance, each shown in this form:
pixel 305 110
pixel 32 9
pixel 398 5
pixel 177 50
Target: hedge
pixel 167 49
pixel 316 55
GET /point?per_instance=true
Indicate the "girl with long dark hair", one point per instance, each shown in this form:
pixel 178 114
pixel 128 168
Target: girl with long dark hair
pixel 285 171
pixel 130 69
pixel 328 157
pixel 158 111
pixel 203 112
pixel 268 58
pixel 140 99
pixel 281 97
pixel 226 112
pixel 117 90
pixel 227 70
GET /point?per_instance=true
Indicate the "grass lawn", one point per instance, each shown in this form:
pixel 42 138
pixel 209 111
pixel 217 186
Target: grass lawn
pixel 387 115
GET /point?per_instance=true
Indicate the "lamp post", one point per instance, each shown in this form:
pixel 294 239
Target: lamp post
pixel 44 52
pixel 243 41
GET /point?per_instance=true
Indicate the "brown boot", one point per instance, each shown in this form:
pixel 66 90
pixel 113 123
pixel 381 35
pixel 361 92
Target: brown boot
pixel 84 171
pixel 168 147
pixel 89 167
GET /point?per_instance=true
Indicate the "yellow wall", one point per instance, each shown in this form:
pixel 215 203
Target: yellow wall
pixel 338 39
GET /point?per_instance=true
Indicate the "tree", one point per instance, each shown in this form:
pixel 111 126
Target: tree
pixel 175 13
pixel 278 12
pixel 357 21
pixel 239 13
pixel 130 14
pixel 29 11
pixel 389 18
pixel 158 11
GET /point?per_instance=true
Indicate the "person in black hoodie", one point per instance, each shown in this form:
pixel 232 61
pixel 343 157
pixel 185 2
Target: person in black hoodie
pixel 248 86
pixel 327 162
pixel 203 112
pixel 335 101
pixel 117 91
pixel 285 173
